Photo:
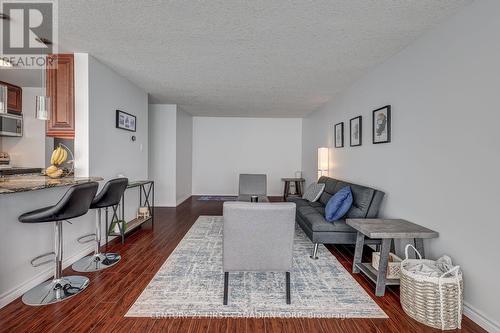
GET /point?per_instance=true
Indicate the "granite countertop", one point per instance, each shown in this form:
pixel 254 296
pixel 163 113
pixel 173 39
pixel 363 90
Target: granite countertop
pixel 32 182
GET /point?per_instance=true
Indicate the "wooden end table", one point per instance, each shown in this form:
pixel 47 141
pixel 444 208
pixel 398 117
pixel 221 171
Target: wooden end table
pixel 299 183
pixel 387 230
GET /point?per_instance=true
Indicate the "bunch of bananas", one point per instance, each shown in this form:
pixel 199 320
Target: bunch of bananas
pixel 53 172
pixel 59 156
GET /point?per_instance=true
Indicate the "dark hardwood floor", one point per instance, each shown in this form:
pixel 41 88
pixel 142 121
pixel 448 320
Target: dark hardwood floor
pixel 102 306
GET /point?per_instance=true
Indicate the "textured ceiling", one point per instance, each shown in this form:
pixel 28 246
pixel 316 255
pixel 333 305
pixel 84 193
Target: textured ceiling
pixel 245 58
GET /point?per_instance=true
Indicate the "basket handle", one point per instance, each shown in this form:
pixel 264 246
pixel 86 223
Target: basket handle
pixel 414 249
pixel 441 301
pixel 453 270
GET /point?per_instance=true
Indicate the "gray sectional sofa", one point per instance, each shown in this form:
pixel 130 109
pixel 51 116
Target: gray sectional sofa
pixel 311 215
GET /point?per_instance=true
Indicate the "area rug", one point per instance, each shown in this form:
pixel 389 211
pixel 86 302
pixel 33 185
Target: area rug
pixel 217 198
pixel 190 284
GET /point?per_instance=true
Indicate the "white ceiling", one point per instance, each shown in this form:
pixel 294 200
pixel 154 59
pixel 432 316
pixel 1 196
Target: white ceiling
pixel 246 58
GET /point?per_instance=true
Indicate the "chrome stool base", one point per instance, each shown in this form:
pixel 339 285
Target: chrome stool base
pixel 96 262
pixel 54 291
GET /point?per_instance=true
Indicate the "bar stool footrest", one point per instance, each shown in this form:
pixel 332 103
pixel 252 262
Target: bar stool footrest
pixel 35 264
pixel 82 240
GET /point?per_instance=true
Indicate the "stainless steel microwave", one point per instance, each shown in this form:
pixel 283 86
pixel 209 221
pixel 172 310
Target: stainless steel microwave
pixel 11 125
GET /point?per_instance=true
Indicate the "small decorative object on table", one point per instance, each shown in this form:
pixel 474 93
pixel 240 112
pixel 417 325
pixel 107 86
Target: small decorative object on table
pixel 118 226
pixel 432 291
pixel 143 213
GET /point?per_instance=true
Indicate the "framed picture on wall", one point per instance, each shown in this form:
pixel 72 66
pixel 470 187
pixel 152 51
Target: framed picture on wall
pixel 125 121
pixel 338 130
pixel 381 124
pixel 355 131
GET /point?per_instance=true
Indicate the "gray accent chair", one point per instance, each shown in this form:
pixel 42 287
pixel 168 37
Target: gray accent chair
pixel 258 237
pixel 252 184
pixel 311 215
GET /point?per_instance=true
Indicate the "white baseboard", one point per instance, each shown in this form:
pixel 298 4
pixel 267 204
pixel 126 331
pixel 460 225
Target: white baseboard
pixel 18 291
pixel 479 318
pixel 182 199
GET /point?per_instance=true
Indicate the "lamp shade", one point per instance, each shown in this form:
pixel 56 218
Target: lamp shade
pixel 3 99
pixel 42 110
pixel 323 161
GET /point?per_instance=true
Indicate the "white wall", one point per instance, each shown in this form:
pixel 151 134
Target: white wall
pixel 225 147
pixel 111 150
pixel 441 169
pixel 170 153
pixel 28 150
pixel 184 155
pixel 162 152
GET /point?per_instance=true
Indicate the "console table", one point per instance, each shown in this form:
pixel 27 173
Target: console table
pixel 146 198
pixel 299 183
pixel 388 230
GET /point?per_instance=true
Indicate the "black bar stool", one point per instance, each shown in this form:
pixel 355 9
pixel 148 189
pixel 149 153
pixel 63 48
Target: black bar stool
pixel 109 196
pixel 75 202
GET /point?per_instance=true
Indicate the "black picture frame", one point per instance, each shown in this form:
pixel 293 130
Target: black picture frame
pixel 381 129
pixel 338 127
pixel 352 121
pixel 129 122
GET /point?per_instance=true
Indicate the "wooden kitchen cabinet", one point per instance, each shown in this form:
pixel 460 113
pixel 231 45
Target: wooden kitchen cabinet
pixel 14 98
pixel 60 89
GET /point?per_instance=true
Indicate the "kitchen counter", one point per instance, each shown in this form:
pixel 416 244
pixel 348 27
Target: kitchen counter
pixel 32 182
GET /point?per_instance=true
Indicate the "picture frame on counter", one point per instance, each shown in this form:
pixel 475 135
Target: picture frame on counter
pixel 381 125
pixel 126 121
pixel 338 135
pixel 355 131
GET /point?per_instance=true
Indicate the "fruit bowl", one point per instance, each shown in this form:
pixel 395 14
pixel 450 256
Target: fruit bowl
pixel 58 159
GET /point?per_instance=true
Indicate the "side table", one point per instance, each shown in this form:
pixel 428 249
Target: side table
pixel 387 230
pixel 299 183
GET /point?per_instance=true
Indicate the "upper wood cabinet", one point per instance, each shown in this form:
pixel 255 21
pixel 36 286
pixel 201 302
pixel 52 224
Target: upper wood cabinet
pixel 14 98
pixel 60 89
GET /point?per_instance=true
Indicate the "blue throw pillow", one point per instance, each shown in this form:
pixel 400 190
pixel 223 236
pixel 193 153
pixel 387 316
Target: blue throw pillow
pixel 339 204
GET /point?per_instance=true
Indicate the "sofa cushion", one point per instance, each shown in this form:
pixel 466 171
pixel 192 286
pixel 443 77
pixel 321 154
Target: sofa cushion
pixel 313 192
pixel 362 199
pixel 362 196
pixel 316 204
pixel 329 189
pixel 315 220
pixel 339 204
pixel 299 202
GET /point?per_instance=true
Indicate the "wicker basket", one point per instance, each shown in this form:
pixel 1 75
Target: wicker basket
pixel 393 266
pixel 433 301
